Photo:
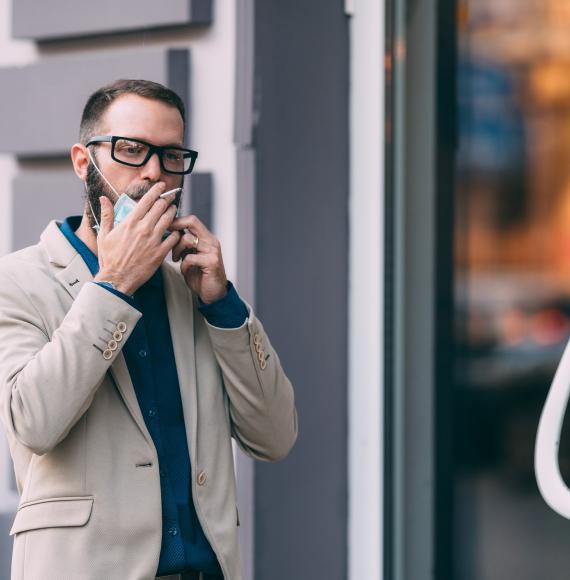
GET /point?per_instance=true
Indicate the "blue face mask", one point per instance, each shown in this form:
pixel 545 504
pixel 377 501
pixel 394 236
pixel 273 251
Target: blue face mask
pixel 123 207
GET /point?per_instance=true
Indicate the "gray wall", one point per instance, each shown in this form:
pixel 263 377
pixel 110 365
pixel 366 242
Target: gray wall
pixel 5 545
pixel 301 142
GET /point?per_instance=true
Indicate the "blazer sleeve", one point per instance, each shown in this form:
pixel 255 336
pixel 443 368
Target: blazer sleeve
pixel 48 382
pixel 261 399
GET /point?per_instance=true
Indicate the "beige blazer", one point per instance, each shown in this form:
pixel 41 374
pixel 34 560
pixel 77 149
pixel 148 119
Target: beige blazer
pixel 85 464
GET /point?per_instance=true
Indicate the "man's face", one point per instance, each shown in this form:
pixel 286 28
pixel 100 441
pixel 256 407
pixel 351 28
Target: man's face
pixel 138 118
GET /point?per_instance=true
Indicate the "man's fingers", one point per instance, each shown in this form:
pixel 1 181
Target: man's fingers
pixel 185 244
pixel 182 245
pixel 165 220
pixel 159 209
pixel 107 215
pixel 192 223
pixel 188 242
pixel 170 242
pixel 148 200
pixel 198 260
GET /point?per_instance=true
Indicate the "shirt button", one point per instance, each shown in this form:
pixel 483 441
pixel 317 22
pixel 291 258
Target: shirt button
pixel 142 353
pixel 152 412
pixel 202 478
pixel 173 531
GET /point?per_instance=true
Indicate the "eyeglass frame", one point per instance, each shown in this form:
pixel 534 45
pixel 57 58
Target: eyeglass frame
pixel 152 149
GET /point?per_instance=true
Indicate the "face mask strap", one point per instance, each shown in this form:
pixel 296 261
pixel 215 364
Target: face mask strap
pixel 101 174
pixel 98 226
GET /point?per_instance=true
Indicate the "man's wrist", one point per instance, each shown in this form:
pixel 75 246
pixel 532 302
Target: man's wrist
pixel 110 288
pixel 214 299
pixel 227 312
pixel 113 283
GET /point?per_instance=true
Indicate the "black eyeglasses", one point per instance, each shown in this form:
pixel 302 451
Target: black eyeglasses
pixel 136 153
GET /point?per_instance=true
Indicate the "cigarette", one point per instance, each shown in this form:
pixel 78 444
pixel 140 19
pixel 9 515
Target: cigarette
pixel 176 190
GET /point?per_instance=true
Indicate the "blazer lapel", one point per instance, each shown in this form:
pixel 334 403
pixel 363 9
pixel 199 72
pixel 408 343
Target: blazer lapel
pixel 181 319
pixel 72 275
pixel 70 269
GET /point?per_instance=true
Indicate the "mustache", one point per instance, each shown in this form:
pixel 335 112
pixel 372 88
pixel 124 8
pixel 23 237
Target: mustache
pixel 138 191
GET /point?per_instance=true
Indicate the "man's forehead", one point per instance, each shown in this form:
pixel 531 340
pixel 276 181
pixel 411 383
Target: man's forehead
pixel 142 118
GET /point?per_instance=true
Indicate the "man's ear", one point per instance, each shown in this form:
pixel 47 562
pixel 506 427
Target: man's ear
pixel 80 160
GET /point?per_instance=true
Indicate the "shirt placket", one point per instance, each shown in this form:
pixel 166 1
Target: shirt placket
pixel 147 394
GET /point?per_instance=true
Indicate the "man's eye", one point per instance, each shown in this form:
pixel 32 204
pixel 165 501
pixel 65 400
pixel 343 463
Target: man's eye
pixel 130 148
pixel 173 155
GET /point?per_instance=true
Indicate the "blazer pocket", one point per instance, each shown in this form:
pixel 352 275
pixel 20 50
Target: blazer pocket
pixel 54 512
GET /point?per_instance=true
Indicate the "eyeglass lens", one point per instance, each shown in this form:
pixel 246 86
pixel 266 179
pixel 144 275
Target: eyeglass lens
pixel 135 153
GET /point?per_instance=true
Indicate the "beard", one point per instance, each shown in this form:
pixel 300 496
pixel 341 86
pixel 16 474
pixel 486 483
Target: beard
pixel 95 187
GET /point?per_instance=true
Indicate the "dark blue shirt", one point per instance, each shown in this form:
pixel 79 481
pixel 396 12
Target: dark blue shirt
pixel 150 359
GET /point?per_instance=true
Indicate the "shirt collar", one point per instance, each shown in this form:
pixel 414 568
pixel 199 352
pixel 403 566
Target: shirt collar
pixel 68 228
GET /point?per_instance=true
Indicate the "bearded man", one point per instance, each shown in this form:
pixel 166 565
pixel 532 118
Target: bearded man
pixel 124 376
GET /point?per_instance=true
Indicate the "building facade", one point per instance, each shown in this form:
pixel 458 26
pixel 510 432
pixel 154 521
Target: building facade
pixel 389 183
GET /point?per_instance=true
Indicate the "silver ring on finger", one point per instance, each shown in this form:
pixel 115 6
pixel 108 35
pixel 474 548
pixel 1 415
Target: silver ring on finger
pixel 195 243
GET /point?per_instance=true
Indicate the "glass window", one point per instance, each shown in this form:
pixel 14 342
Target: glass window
pixel 512 282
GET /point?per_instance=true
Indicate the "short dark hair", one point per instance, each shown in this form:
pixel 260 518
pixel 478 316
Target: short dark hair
pixel 100 100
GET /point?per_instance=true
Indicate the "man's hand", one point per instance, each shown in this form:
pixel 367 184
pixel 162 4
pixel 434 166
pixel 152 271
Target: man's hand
pixel 130 253
pixel 201 254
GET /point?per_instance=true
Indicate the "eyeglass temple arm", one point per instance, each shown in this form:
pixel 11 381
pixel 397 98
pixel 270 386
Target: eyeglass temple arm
pixel 100 139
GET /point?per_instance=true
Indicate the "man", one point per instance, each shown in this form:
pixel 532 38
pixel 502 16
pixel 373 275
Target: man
pixel 123 377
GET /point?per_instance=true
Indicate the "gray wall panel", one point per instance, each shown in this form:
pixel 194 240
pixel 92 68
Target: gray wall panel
pixel 178 79
pixel 43 20
pixel 6 520
pixel 201 11
pixel 301 142
pixel 39 197
pixel 42 103
pixel 201 198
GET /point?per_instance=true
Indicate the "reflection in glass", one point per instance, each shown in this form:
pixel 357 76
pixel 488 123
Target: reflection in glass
pixel 512 286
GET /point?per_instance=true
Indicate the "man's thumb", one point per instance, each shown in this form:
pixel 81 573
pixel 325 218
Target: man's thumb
pixel 106 215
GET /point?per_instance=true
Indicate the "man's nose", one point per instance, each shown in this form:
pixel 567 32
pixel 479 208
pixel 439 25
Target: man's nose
pixel 151 170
